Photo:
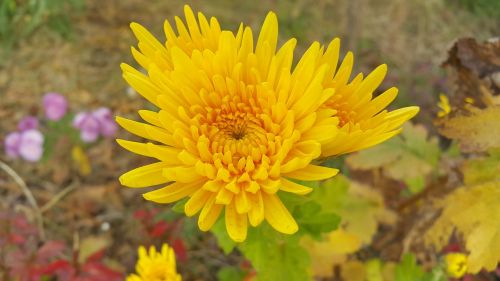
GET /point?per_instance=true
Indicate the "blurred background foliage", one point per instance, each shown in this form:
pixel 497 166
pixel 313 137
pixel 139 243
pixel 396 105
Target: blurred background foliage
pixel 412 36
pixel 19 19
pixel 75 47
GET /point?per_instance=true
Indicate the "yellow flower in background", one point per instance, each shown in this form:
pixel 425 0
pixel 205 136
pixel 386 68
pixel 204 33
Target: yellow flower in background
pixel 456 264
pixel 444 106
pixel 155 266
pixel 237 122
pixel 363 119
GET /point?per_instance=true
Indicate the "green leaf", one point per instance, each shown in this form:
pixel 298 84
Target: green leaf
pixel 223 240
pixel 409 157
pixel 230 274
pixel 314 221
pixel 408 270
pixel 373 270
pixel 276 256
pixel 482 170
pixel 179 206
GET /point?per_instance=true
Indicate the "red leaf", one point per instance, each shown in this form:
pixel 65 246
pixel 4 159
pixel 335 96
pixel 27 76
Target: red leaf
pixel 158 229
pixel 141 214
pixel 49 250
pixel 452 248
pixel 180 250
pixel 98 272
pixel 97 256
pixel 58 265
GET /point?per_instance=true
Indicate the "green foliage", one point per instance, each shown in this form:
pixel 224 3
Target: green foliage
pixel 409 157
pixel 179 206
pixel 482 169
pixel 19 19
pixel 314 221
pixel 230 274
pixel 480 7
pixel 276 256
pixel 409 270
pixel 223 240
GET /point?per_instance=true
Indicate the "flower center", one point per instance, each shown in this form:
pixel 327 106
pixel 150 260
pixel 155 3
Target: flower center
pixel 238 133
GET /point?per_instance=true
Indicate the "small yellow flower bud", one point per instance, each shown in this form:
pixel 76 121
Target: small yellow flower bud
pixel 456 264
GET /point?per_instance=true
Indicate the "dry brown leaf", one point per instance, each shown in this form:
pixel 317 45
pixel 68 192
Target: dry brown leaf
pixel 477 132
pixel 473 70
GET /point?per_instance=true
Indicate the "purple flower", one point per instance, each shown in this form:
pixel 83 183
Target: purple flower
pixel 26 144
pixel 88 125
pixel 97 123
pixel 107 124
pixel 28 123
pixel 11 144
pixel 31 145
pixel 55 106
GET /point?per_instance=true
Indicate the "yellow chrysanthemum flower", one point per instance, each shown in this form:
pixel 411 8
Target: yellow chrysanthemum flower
pixel 155 266
pixel 456 264
pixel 363 120
pixel 236 122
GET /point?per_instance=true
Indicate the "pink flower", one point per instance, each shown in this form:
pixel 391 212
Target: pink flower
pixel 28 123
pixel 94 124
pixel 11 144
pixel 88 125
pixel 108 126
pixel 55 106
pixel 26 144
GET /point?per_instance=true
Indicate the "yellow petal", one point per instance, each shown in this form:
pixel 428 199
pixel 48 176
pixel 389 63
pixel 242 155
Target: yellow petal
pixel 209 214
pixel 313 173
pixel 135 147
pixel 256 213
pixel 290 186
pixel 150 117
pixel 268 33
pixel 277 215
pixel 173 192
pixel 148 175
pixel 371 82
pixel 196 202
pixel 182 174
pixel 144 130
pixel 236 224
pixel 242 203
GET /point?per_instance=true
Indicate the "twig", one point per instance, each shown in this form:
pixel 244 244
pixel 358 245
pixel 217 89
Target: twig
pixel 58 197
pixel 29 196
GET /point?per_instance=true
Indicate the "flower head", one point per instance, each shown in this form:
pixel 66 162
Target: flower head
pixel 456 264
pixel 27 144
pixel 107 124
pixel 155 266
pixel 28 123
pixel 363 118
pixel 94 124
pixel 55 106
pixel 11 144
pixel 237 122
pixel 88 126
